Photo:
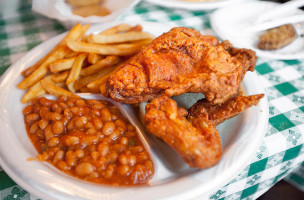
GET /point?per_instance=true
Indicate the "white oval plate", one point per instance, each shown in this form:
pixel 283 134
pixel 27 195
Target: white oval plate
pixel 173 179
pixel 195 5
pixel 227 21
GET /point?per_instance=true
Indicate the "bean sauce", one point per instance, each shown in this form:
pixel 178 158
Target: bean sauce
pixel 88 139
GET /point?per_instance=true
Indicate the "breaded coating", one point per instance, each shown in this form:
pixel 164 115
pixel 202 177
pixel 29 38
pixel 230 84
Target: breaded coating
pixel 197 142
pixel 182 60
pixel 195 137
pixel 277 38
pixel 219 113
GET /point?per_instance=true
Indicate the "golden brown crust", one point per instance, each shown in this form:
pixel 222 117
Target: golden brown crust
pixel 194 137
pixel 219 113
pixel 182 60
pixel 277 38
pixel 196 141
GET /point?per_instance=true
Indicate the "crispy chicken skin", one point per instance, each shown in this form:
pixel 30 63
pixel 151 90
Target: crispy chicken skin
pixel 182 60
pixel 219 113
pixel 194 137
pixel 185 61
pixel 197 142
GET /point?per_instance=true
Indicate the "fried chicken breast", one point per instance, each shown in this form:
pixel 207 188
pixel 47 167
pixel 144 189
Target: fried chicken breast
pixel 182 60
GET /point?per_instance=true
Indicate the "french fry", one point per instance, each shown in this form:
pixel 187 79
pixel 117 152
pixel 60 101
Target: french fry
pixel 83 66
pixel 119 38
pixel 95 85
pixel 108 61
pixel 76 68
pixel 94 58
pixel 60 77
pixel 71 87
pixel 72 54
pixel 117 50
pixel 74 34
pixel 36 90
pixel 31 69
pixel 82 82
pixel 116 29
pixel 43 69
pixel 61 65
pixel 86 90
pixel 55 90
pixel 103 89
pixel 60 84
pixel 84 30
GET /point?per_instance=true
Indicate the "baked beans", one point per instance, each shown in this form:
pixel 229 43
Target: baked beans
pixel 88 139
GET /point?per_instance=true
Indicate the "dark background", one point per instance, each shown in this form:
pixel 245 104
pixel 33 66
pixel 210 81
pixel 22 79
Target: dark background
pixel 282 191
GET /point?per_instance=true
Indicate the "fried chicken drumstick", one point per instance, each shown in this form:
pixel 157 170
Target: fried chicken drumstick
pixel 182 60
pixel 194 137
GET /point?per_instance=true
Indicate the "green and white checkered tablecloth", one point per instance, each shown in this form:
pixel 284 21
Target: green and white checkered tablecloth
pixel 281 153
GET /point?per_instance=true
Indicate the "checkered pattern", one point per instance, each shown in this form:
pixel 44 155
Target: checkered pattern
pixel 282 81
pixel 148 12
pixel 281 153
pixel 22 30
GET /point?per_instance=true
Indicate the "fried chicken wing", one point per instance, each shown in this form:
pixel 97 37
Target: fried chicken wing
pixel 194 137
pixel 219 113
pixel 198 143
pixel 182 60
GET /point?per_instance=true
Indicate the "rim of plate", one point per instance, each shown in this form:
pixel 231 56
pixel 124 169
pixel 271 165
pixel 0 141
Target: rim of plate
pixel 185 187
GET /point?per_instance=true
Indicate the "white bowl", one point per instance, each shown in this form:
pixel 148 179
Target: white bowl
pixel 60 10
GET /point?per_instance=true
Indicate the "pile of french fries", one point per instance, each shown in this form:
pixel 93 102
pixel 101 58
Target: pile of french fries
pixel 82 63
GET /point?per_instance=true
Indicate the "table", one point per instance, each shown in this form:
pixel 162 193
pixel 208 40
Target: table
pixel 281 153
